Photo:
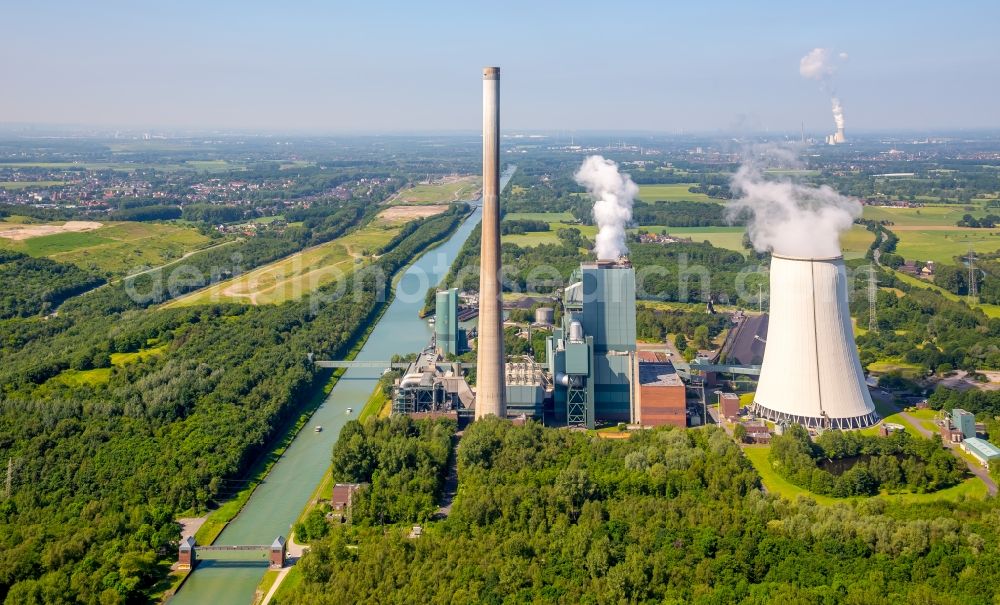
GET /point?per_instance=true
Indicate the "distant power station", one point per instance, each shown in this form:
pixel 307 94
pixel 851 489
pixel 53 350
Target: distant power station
pixel 490 387
pixel 811 374
pixel 836 138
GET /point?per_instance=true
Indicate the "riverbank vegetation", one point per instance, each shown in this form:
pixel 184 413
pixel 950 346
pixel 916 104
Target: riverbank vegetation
pixel 402 462
pixel 100 469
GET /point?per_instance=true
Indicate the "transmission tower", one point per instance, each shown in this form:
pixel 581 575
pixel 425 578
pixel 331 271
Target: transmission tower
pixel 973 286
pixel 872 296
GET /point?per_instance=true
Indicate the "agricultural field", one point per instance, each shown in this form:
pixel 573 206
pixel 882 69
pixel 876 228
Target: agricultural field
pixel 672 193
pixel 556 221
pixel 15 185
pixel 196 165
pixel 923 216
pixel 854 243
pixel 443 191
pixel 299 274
pixel 113 249
pixel 942 246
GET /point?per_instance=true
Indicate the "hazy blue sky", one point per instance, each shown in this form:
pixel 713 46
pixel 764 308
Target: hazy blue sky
pixel 415 65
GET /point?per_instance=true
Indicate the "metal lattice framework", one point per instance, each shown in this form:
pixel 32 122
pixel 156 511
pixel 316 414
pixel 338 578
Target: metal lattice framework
pixel 872 298
pixel 576 405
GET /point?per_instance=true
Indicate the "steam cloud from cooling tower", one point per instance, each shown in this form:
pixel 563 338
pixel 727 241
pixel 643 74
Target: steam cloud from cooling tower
pixel 786 217
pixel 821 64
pixel 613 193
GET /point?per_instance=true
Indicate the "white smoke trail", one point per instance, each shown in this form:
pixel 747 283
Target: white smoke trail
pixel 613 193
pixel 838 113
pixel 821 64
pixel 786 217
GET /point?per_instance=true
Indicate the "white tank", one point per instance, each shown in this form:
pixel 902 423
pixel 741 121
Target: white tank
pixel 811 374
pixel 575 331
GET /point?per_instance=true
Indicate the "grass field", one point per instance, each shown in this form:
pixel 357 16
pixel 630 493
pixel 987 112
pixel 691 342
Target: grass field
pixel 730 238
pixel 942 246
pixel 923 216
pixel 15 185
pixel 102 375
pixel 451 189
pixel 775 484
pixel 199 165
pixel 556 221
pixel 120 359
pixel 299 274
pixel 116 248
pixel 908 370
pixel 672 193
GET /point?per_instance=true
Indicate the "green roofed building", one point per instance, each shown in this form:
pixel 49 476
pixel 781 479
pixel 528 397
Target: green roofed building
pixel 983 451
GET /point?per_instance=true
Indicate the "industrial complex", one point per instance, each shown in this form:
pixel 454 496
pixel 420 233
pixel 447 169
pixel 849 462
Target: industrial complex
pixel 593 373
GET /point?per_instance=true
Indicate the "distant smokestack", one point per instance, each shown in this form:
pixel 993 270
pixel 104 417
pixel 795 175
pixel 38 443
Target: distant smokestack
pixel 490 387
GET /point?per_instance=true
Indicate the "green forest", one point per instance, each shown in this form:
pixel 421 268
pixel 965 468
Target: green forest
pixel 116 419
pixel 33 286
pixel 667 516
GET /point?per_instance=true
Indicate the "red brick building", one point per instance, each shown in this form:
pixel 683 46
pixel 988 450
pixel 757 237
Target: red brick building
pixel 660 397
pixel 729 406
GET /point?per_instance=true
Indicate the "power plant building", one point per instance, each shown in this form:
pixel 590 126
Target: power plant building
pixel 591 356
pixel 964 422
pixel 527 385
pixel 660 396
pixel 449 338
pixel 811 374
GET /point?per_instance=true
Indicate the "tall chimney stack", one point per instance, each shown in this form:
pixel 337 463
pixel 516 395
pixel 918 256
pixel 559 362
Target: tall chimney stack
pixel 490 387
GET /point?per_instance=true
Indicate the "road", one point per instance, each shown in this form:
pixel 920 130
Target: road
pixel 975 469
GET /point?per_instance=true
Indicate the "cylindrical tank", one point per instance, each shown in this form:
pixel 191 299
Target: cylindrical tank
pixel 811 374
pixel 575 332
pixel 544 315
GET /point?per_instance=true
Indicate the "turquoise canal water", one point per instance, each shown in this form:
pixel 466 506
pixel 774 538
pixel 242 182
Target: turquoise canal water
pixel 279 500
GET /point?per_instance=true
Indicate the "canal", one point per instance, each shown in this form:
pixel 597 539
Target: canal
pixel 284 493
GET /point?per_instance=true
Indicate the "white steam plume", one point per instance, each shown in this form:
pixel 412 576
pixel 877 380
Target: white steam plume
pixel 838 113
pixel 613 193
pixel 821 64
pixel 789 218
pixel 818 64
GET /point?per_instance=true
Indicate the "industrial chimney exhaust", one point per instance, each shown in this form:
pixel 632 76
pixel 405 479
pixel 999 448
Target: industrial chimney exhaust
pixel 490 386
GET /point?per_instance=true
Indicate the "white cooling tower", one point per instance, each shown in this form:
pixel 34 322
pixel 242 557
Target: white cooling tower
pixel 811 374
